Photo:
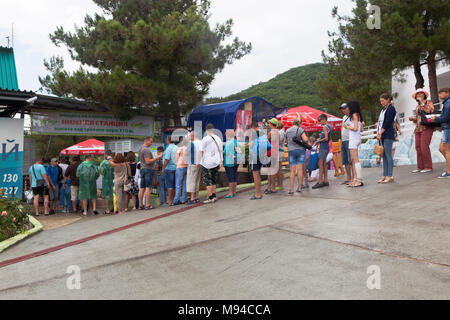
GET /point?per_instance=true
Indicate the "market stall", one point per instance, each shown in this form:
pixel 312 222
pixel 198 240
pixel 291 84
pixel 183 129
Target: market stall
pixel 234 114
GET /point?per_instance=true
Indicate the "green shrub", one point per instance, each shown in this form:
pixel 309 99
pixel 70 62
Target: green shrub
pixel 13 217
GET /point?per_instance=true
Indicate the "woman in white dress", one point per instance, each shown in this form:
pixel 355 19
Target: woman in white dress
pixel 354 126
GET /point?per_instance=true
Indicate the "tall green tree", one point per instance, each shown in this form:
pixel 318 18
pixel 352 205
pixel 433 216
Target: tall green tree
pixel 144 56
pixel 416 33
pixel 356 69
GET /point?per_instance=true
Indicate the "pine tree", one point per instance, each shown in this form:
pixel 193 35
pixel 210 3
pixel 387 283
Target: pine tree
pixel 153 57
pixel 416 33
pixel 356 69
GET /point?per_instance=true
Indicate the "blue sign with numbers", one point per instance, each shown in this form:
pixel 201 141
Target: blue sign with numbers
pixel 11 157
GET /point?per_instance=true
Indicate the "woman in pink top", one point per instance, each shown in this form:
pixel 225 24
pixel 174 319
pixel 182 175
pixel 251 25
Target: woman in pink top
pixel 181 174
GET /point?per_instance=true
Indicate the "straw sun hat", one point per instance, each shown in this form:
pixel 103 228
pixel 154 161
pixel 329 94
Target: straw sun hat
pixel 420 91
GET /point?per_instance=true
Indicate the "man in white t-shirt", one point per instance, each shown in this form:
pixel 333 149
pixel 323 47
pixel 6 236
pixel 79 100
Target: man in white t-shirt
pixel 210 158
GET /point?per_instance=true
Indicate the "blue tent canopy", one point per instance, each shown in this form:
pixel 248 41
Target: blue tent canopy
pixel 223 115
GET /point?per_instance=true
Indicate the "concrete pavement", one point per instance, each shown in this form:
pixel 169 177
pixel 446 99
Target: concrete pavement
pixel 312 246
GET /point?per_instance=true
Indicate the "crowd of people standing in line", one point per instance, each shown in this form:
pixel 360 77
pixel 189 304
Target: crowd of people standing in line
pixel 177 169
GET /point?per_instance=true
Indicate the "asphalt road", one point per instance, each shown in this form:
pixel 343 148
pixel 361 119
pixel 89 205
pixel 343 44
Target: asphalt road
pixel 318 245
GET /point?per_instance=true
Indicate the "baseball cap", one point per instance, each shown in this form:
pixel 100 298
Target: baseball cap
pixel 343 106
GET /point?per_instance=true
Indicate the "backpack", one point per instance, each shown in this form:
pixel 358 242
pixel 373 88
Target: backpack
pixel 60 174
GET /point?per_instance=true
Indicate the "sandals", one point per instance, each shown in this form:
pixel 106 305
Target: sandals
pixel 388 180
pixel 256 198
pixel 356 184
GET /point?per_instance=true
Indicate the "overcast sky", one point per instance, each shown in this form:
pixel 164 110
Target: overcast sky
pixel 284 34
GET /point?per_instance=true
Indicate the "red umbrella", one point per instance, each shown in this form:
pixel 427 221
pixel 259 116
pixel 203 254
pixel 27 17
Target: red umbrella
pixel 309 117
pixel 91 146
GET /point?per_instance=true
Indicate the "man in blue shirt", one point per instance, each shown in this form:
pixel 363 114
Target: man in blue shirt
pixel 169 169
pixel 39 182
pixel 444 120
pixel 53 172
pixel 194 172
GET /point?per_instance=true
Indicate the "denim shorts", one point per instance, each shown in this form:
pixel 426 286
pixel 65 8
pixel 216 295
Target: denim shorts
pixel 170 179
pixel 147 176
pixel 232 174
pixel 323 153
pixel 346 159
pixel 446 136
pixel 297 157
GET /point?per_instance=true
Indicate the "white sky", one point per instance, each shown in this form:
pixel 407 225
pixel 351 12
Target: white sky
pixel 284 34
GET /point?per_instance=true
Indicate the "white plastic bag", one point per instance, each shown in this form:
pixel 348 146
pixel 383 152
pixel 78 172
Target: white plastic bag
pixel 29 196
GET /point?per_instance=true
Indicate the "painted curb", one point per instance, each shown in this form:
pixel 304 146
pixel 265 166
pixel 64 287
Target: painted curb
pixel 12 241
pixel 242 189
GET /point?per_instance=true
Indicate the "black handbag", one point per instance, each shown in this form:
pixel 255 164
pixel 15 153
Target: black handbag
pixel 298 140
pixel 424 121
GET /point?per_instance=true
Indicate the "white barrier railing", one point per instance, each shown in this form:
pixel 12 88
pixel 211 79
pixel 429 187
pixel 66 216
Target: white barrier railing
pixel 370 132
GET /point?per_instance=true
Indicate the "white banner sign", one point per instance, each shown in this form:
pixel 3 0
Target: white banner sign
pixel 89 124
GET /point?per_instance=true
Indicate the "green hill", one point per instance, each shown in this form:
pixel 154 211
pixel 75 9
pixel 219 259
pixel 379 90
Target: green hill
pixel 293 88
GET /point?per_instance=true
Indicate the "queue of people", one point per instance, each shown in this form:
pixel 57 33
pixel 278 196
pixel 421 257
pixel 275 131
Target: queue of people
pixel 178 169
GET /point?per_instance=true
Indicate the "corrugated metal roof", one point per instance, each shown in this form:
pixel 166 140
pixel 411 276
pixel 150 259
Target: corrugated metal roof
pixel 8 72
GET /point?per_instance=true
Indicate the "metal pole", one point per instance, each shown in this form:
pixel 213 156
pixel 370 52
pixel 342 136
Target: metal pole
pixel 48 147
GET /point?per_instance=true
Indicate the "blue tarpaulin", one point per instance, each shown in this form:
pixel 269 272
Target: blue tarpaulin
pixel 223 115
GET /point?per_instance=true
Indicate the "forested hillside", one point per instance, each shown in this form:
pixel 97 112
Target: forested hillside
pixel 293 88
